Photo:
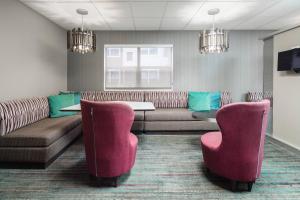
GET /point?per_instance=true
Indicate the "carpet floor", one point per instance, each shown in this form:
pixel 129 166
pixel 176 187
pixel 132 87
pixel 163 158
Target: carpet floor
pixel 167 167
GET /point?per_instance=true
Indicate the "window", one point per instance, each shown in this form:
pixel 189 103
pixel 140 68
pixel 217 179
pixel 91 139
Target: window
pixel 113 52
pixel 153 51
pixel 138 67
pixel 129 56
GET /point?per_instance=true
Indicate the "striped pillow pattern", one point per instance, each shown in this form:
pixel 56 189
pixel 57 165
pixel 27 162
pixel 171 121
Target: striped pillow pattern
pixel 15 114
pixel 255 96
pixel 225 98
pixel 166 99
pixel 119 96
pixel 88 95
pixel 269 95
pixel 259 96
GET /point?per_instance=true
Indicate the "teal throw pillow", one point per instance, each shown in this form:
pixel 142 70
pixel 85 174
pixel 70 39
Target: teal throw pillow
pixel 77 95
pixel 199 101
pixel 58 102
pixel 215 98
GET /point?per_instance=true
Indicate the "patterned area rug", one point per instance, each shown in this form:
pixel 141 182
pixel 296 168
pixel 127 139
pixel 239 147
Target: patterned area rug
pixel 167 167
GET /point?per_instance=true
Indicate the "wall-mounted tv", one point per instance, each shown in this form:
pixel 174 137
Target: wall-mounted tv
pixel 289 60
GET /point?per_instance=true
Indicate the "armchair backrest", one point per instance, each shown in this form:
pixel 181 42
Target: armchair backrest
pixel 106 128
pixel 243 127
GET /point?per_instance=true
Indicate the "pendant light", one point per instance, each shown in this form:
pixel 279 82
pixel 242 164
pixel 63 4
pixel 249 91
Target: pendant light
pixel 214 40
pixel 80 40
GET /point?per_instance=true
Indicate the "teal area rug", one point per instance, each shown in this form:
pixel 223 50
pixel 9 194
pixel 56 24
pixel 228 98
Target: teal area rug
pixel 167 167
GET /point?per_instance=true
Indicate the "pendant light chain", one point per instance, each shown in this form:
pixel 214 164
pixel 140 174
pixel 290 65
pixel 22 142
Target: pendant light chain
pixel 214 22
pixel 82 22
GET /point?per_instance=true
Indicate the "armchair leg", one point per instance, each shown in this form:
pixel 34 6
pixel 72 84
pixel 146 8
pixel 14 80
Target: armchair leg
pixel 207 170
pixel 234 185
pixel 250 186
pixel 106 182
pixel 115 182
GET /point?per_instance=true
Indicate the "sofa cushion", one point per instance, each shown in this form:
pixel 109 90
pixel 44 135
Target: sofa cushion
pixel 38 154
pixel 119 96
pixel 77 95
pixel 199 101
pixel 167 99
pixel 88 95
pixel 57 102
pixel 174 114
pixel 139 116
pixel 225 98
pixel 215 100
pixel 42 133
pixel 163 126
pixel 15 114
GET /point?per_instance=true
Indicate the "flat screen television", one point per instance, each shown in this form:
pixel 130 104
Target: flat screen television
pixel 289 60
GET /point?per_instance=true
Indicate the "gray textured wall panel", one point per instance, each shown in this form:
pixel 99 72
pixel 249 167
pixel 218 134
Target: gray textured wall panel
pixel 239 70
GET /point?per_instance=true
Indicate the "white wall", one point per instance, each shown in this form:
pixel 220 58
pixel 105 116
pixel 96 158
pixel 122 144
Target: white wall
pixel 33 53
pixel 286 89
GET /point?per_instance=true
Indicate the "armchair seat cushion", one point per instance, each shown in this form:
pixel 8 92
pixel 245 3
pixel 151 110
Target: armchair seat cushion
pixel 133 141
pixel 211 140
pixel 42 133
pixel 171 114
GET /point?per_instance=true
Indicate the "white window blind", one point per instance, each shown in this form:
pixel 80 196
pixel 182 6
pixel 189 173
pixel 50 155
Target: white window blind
pixel 138 66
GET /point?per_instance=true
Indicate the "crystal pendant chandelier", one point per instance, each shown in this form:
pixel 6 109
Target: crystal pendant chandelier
pixel 214 40
pixel 79 40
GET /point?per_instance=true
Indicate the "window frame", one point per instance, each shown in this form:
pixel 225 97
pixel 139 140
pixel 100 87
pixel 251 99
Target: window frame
pixel 139 46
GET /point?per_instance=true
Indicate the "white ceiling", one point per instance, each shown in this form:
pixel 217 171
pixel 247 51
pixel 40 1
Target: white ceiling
pixel 171 14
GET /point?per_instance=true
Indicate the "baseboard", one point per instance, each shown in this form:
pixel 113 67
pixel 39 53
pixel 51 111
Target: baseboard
pixel 284 144
pixel 175 132
pixel 269 134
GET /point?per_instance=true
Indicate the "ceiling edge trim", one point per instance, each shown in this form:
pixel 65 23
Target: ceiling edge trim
pixel 269 36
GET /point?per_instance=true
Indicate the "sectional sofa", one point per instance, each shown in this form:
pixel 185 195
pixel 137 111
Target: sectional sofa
pixel 30 138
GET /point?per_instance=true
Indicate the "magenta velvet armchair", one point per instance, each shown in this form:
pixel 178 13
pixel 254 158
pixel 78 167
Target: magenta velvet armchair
pixel 236 152
pixel 110 147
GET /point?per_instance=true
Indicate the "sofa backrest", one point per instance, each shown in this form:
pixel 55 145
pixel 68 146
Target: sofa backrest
pixel 88 95
pixel 225 98
pixel 254 96
pixel 167 99
pixel 15 114
pixel 259 96
pixel 177 99
pixel 160 99
pixel 119 96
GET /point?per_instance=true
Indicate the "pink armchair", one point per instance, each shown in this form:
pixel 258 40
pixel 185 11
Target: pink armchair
pixel 110 148
pixel 236 152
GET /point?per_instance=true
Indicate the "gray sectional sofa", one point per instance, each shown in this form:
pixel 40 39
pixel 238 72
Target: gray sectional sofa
pixel 30 138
